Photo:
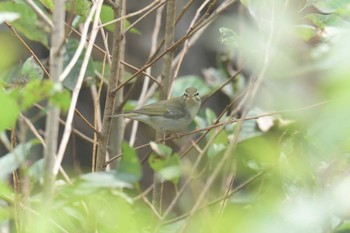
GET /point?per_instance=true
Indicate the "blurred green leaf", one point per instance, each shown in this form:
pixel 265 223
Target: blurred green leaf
pixel 133 29
pixel 250 127
pixel 71 79
pixel 8 59
pixel 306 32
pixel 36 170
pixel 79 7
pixel 210 116
pixel 218 145
pixel 107 15
pixel 6 193
pixel 228 37
pixel 323 21
pixel 181 83
pixel 31 70
pixel 48 3
pixel 161 149
pixel 12 160
pixel 10 113
pixel 333 6
pixel 98 66
pixel 61 99
pixel 27 23
pixel 168 168
pixel 97 180
pixel 129 168
pixel 34 92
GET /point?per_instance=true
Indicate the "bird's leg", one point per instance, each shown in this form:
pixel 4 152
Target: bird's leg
pixel 160 137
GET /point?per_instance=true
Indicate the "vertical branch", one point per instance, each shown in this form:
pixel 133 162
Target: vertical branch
pixel 112 84
pixel 52 119
pixel 166 82
pixel 168 42
pixel 116 134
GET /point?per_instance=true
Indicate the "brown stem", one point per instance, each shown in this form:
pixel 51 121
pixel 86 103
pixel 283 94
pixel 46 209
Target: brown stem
pixel 112 84
pixel 52 120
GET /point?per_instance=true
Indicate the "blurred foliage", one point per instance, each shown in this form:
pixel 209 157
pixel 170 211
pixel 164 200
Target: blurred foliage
pixel 288 167
pixel 27 21
pixel 71 79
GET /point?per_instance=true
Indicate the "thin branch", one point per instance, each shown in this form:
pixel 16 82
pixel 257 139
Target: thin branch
pixel 181 55
pixel 40 13
pixel 29 49
pixel 238 188
pixel 146 80
pixel 248 98
pixel 141 11
pixel 53 115
pixel 110 100
pixel 77 132
pixel 168 42
pixel 79 50
pixel 76 90
pixel 217 124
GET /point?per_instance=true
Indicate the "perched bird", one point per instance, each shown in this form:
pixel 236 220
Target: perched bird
pixel 170 115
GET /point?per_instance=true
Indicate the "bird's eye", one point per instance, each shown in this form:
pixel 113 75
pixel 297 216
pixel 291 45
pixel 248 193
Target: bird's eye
pixel 185 95
pixel 197 94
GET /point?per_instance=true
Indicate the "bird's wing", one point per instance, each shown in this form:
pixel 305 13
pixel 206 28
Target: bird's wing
pixel 162 108
pixel 176 111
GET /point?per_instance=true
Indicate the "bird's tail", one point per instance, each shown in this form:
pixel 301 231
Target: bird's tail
pixel 127 115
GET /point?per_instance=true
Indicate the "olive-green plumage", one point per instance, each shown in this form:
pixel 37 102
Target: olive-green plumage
pixel 170 115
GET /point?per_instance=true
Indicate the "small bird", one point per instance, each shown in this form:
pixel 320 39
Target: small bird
pixel 170 115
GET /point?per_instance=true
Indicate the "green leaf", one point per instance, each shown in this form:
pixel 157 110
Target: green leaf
pixel 129 169
pixel 181 83
pixel 12 160
pixel 218 145
pixel 250 128
pixel 48 4
pixel 306 32
pixel 10 113
pixel 36 170
pixel 31 70
pixel 229 37
pixel 61 99
pixel 101 180
pixel 333 6
pixel 210 116
pixel 107 15
pixel 34 92
pixel 71 79
pixel 133 29
pixel 323 21
pixel 6 193
pixel 79 7
pixel 10 58
pixel 167 168
pixel 161 149
pixel 27 23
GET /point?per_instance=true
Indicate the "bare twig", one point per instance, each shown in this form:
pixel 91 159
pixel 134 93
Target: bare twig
pixel 141 11
pixel 83 38
pixel 68 128
pixel 110 100
pixel 40 13
pixel 143 97
pixel 52 120
pixel 247 99
pixel 29 49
